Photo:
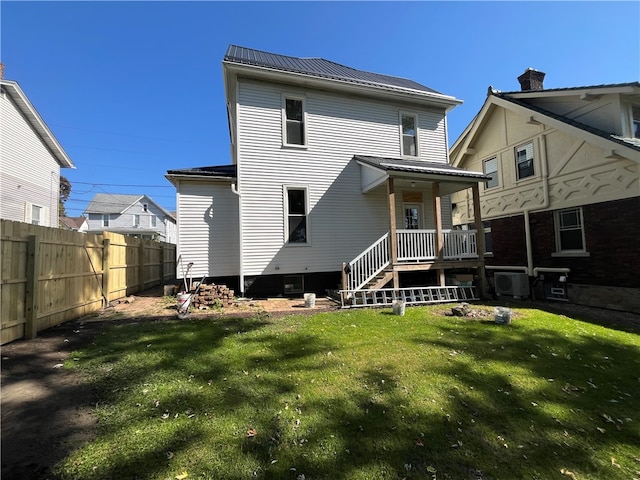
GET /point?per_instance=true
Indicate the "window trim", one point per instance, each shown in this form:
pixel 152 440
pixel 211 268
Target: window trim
pixel 633 121
pixel 105 220
pixel 484 170
pixel 301 98
pixel 285 201
pixel 523 147
pixel 557 229
pixel 416 136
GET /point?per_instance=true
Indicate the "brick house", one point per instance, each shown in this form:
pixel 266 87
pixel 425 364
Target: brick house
pixel 561 207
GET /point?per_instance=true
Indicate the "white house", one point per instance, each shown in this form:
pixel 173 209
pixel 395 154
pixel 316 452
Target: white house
pixel 30 160
pixel 339 179
pixel 561 206
pixel 135 215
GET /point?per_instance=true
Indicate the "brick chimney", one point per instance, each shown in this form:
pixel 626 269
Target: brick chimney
pixel 531 80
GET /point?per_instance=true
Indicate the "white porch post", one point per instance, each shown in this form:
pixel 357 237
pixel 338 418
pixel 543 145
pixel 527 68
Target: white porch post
pixel 393 241
pixel 439 234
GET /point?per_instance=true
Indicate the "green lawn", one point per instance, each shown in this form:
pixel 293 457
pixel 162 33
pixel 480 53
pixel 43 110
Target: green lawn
pixel 363 394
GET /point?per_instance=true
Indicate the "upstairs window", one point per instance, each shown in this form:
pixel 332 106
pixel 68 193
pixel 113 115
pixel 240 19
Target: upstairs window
pixel 408 124
pixel 524 161
pixel 635 113
pixel 569 230
pixel 490 168
pixel 136 220
pixel 296 216
pixel 154 221
pixel 105 219
pixel 294 122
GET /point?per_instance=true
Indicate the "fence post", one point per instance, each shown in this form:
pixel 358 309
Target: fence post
pixel 33 272
pixel 106 270
pixel 141 265
pixel 161 264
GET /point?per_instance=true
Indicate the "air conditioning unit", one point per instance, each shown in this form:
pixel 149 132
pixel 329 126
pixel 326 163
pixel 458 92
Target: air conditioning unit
pixel 514 284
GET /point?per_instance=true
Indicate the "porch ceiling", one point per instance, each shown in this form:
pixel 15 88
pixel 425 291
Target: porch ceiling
pixel 410 173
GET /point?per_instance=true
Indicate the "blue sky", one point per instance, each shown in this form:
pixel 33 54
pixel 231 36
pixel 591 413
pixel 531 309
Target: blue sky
pixel 133 89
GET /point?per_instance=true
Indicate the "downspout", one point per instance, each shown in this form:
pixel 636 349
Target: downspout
pixel 234 189
pixel 545 203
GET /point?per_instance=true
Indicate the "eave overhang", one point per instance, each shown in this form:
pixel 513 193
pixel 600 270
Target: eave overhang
pixel 32 116
pixel 234 70
pixel 376 170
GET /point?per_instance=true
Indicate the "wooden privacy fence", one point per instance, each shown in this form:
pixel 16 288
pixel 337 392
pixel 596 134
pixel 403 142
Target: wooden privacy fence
pixel 50 276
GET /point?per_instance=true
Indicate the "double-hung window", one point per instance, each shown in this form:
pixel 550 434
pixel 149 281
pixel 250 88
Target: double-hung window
pixel 136 220
pixel 635 120
pixel 409 134
pixel 296 212
pixel 490 168
pixel 524 161
pixel 569 230
pixel 36 215
pixel 105 219
pixel 154 221
pixel 294 128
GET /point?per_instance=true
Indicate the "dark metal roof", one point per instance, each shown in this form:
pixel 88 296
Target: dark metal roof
pixel 212 171
pixel 418 166
pixel 318 67
pixel 627 142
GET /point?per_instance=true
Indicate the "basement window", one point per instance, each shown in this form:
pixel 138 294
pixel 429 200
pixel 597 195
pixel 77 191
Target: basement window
pixel 293 284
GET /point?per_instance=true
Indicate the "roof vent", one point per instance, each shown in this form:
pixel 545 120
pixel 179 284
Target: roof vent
pixel 531 80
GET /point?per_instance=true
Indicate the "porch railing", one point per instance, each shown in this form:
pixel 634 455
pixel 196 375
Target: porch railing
pixel 420 245
pixel 412 246
pixel 362 269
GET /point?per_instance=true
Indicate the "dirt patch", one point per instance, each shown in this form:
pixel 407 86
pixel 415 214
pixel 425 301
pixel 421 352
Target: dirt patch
pixel 47 410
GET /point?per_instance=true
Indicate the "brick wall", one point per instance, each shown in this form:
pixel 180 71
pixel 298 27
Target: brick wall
pixel 612 236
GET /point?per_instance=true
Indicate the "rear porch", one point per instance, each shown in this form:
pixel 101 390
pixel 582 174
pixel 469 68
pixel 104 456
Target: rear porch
pixel 417 193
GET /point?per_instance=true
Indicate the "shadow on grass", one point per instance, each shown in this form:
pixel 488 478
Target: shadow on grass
pixel 538 404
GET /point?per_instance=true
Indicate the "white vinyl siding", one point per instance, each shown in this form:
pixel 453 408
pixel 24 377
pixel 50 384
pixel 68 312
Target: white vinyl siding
pixel 343 221
pixel 208 229
pixel 28 171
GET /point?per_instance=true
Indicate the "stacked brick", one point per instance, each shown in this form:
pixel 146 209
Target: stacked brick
pixel 212 296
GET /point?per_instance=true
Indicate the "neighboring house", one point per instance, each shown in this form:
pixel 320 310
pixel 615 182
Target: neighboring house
pixel 135 215
pixel 321 154
pixel 78 224
pixel 563 198
pixel 30 160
